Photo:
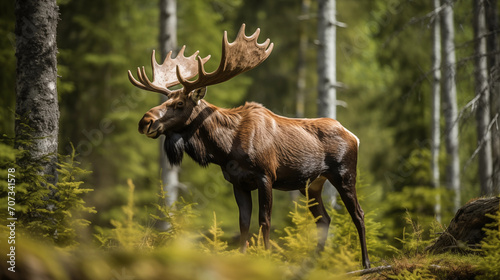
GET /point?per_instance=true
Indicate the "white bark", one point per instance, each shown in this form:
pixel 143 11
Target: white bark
pixel 327 80
pixel 326 59
pixel 483 102
pixel 301 61
pixel 450 103
pixel 168 42
pixel 436 99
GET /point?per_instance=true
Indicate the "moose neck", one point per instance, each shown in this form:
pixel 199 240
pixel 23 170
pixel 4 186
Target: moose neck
pixel 207 136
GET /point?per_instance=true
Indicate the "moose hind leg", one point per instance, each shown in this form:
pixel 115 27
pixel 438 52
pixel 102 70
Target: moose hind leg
pixel 346 186
pixel 318 210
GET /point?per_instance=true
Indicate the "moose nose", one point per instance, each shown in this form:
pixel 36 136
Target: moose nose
pixel 144 124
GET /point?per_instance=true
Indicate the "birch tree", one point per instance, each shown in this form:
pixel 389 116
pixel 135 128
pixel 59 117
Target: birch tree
pixel 327 80
pixel 483 99
pixel 327 95
pixel 436 99
pixel 168 42
pixel 301 60
pixel 36 81
pixel 450 103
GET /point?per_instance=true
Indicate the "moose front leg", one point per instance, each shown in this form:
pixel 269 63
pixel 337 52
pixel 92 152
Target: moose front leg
pixel 265 205
pixel 244 201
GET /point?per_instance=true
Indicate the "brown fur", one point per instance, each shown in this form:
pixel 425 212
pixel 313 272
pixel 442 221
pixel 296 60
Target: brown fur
pixel 259 150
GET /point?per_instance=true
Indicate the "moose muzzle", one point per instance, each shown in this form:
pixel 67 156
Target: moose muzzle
pixel 149 126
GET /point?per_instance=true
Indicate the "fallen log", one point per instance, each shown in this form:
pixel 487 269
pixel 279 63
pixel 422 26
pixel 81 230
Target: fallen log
pixel 465 232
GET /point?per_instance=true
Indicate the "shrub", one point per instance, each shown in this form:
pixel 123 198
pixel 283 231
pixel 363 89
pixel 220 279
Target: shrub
pixel 53 213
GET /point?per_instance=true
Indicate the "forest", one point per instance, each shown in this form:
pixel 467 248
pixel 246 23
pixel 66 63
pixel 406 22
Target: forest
pixel 84 195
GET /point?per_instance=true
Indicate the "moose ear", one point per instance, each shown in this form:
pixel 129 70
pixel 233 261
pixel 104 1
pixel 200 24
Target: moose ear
pixel 198 94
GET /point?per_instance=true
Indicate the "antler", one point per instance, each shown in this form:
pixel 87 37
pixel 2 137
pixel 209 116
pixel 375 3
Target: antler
pixel 237 57
pixel 164 75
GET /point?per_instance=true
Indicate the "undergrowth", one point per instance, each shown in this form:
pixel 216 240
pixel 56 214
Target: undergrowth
pixel 294 255
pixel 490 246
pixel 43 211
pixel 412 261
pixel 130 249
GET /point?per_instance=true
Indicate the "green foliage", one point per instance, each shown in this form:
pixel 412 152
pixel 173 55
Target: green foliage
pixel 214 243
pixel 8 62
pixel 416 274
pixel 413 262
pixel 414 195
pixel 129 234
pixel 490 246
pixel 382 60
pixel 53 213
pixel 178 218
pixel 66 207
pixel 301 238
pixel 129 247
pixel 413 240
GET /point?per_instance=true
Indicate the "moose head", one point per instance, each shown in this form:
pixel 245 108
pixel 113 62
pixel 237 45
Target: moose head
pixel 237 57
pixel 255 148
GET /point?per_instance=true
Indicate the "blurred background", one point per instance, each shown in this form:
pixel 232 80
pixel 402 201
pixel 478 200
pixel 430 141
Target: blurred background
pixel 384 53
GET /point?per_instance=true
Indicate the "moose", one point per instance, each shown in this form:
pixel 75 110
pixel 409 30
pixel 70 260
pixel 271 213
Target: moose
pixel 255 148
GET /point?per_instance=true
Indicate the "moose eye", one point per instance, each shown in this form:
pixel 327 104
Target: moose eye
pixel 180 104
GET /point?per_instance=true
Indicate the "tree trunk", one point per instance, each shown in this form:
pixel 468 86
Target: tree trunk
pixel 483 102
pixel 450 103
pixel 301 61
pixel 436 99
pixel 36 82
pixel 494 82
pixel 327 80
pixel 466 228
pixel 168 42
pixel 326 60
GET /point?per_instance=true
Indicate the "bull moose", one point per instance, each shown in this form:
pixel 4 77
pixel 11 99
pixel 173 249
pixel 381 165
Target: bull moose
pixel 255 148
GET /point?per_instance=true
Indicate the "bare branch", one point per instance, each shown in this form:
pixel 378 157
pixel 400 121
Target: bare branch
pixel 369 270
pixel 493 121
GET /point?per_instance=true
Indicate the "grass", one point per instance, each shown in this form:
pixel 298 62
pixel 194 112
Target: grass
pixel 428 266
